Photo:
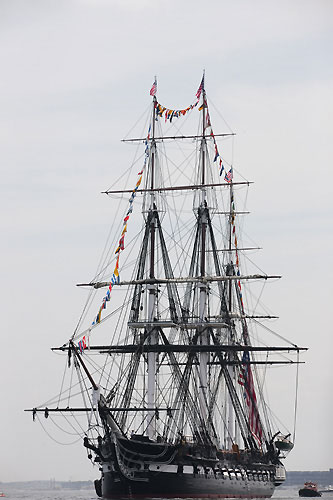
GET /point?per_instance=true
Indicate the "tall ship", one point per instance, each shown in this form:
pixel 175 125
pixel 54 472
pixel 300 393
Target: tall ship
pixel 165 379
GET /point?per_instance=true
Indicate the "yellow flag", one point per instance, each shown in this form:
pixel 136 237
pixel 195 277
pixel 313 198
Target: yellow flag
pixel 99 315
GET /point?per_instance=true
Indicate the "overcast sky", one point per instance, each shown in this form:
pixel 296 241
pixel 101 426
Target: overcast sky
pixel 75 76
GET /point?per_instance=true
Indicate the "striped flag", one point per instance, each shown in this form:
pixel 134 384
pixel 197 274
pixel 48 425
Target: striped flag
pixel 201 87
pixel 82 344
pixel 245 379
pixel 153 89
pixel 228 176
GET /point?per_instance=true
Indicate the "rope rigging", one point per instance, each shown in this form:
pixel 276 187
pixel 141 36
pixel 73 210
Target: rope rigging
pixel 212 395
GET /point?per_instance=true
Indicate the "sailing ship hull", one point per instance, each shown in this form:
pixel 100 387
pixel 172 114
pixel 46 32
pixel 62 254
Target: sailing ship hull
pixel 184 485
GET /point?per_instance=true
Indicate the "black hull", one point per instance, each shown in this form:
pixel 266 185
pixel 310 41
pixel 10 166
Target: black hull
pixel 174 485
pixel 306 492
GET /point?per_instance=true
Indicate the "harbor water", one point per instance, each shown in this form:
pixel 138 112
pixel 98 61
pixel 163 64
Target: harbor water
pixel 89 494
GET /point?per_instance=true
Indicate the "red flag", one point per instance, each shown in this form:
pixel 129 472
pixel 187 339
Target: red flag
pixel 121 242
pixel 245 379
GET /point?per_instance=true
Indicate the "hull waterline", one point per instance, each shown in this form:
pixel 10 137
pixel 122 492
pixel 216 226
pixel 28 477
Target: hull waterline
pixel 174 485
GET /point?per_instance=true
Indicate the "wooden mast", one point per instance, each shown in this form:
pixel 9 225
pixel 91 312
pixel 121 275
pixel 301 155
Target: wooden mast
pixel 153 337
pixel 202 219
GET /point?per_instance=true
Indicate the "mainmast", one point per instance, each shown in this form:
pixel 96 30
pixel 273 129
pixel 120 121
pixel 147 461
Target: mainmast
pixel 152 336
pixel 202 220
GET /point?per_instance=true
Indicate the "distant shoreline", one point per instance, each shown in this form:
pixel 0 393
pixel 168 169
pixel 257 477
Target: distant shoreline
pixel 50 484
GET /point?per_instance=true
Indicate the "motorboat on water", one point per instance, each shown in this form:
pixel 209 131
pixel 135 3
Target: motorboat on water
pixel 309 489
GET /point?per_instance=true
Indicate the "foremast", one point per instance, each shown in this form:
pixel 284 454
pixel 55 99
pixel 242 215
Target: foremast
pixel 153 260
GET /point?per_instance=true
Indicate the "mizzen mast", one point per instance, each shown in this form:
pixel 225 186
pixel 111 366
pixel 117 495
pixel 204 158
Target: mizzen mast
pixel 233 433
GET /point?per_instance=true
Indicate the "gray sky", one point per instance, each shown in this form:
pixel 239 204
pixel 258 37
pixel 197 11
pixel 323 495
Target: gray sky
pixel 75 76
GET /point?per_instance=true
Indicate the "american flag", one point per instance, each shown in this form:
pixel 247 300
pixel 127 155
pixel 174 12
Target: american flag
pixel 245 379
pixel 153 89
pixel 228 176
pixel 82 344
pixel 201 86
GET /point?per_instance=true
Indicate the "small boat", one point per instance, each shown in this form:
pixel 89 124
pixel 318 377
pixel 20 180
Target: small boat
pixel 283 443
pixel 309 490
pixel 2 494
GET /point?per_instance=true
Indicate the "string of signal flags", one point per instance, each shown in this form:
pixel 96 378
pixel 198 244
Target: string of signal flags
pixel 169 115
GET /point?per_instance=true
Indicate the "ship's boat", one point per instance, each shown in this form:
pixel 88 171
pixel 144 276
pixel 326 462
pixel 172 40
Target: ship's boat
pixel 169 394
pixel 283 443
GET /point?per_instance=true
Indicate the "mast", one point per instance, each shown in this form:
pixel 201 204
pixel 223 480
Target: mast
pixel 153 336
pixel 204 335
pixel 231 413
pixel 232 268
